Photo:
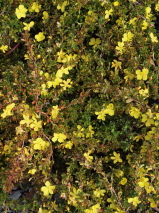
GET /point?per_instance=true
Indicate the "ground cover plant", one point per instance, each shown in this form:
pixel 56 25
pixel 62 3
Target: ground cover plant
pixel 79 114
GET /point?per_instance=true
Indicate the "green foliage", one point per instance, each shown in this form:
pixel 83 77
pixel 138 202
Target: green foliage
pixel 79 117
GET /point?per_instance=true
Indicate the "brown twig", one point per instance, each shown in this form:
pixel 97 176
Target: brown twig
pixel 10 51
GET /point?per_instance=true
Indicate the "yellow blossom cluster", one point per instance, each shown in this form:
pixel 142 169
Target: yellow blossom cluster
pixel 108 110
pixel 63 57
pixel 88 157
pixel 108 13
pixel 99 192
pixel 127 37
pixel 31 121
pixel 82 132
pixel 21 13
pixel 62 6
pixel 57 80
pixel 93 209
pixel 40 144
pixel 60 137
pixel 91 17
pixel 134 200
pixel 50 111
pixel 55 112
pixel 7 111
pixel 74 197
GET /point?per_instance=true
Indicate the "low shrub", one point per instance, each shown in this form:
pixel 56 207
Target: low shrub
pixel 79 113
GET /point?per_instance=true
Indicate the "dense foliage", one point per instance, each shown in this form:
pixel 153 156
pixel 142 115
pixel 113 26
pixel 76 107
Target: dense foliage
pixel 79 116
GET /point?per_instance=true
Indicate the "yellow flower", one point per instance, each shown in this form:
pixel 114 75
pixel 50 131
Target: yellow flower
pixel 152 203
pixel 74 196
pixel 145 25
pixel 55 112
pixel 61 56
pixel 56 82
pixel 40 144
pixel 66 84
pixel 45 15
pixel 36 125
pixel 132 21
pixel 134 112
pixel 127 36
pixel 40 36
pixel 47 189
pixel 116 158
pixel 120 21
pixel 35 7
pixel 44 91
pixel 4 48
pixel 90 133
pixel 143 182
pixel 142 74
pixel 148 10
pixel 153 38
pixel 21 11
pixel 94 41
pixel 119 211
pixel 92 17
pixel 62 6
pixel 120 47
pixel 157 6
pixel 28 26
pixel 150 134
pixel 128 158
pixel 116 3
pixel 43 211
pixel 93 209
pixel 79 133
pixel 144 92
pixel 68 145
pixel 19 130
pixel 60 137
pixel 108 13
pixel 26 120
pixel 135 201
pixel 123 181
pixel 85 57
pixel 88 156
pixel 148 121
pixel 99 192
pixel 150 189
pixel 119 173
pixel 32 171
pixel 109 110
pixel 116 64
pixel 112 205
pixel 26 56
pixel 129 76
pixel 101 115
pixel 7 111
